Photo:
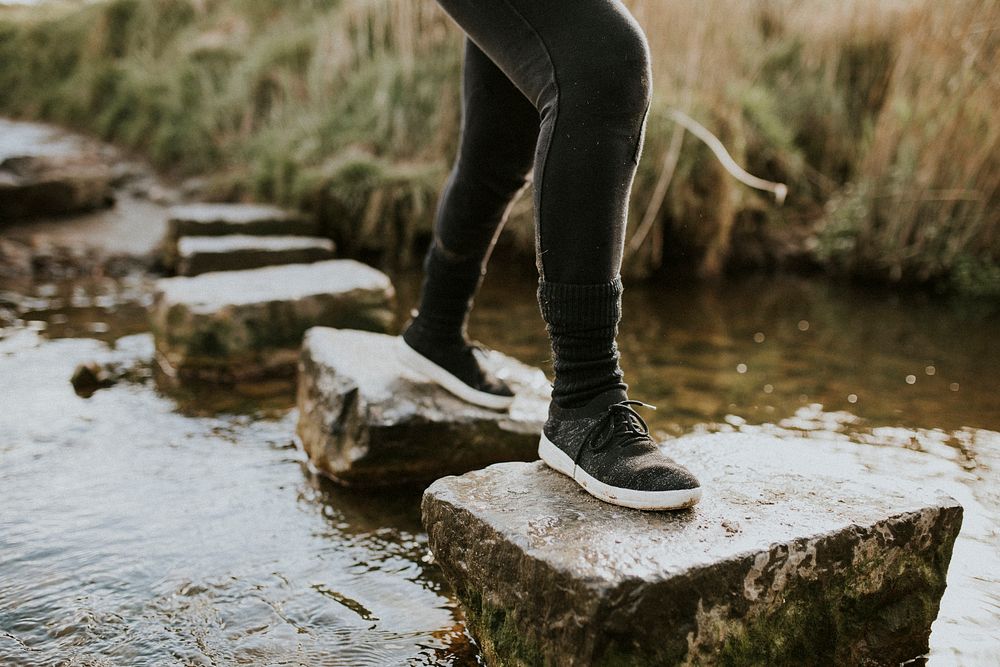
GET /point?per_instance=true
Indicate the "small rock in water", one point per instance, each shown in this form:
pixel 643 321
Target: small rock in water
pixel 89 377
pixel 161 195
pixel 203 254
pixel 239 325
pixel 92 376
pixel 194 187
pixel 367 419
pixel 838 566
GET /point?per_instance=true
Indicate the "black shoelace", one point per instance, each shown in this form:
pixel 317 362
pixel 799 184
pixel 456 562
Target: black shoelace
pixel 623 422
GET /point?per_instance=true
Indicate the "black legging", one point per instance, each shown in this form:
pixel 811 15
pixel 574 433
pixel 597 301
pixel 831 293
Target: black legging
pixel 562 86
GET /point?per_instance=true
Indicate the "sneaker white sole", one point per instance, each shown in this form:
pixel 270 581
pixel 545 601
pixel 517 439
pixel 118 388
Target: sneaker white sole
pixel 558 460
pixel 421 364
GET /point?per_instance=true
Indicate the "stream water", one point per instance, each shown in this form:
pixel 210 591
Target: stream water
pixel 144 527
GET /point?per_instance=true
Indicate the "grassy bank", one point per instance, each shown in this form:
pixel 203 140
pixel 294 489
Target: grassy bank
pixel 882 118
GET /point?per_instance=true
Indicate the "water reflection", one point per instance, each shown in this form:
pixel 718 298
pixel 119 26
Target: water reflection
pixel 150 525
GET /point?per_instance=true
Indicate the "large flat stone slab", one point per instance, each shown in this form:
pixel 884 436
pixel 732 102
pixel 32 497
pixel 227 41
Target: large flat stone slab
pixel 238 325
pixel 251 219
pixel 367 419
pixel 795 556
pixel 34 186
pixel 233 252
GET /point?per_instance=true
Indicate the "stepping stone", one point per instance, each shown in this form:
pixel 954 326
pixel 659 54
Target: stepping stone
pixel 366 419
pixel 224 219
pixel 202 254
pixel 238 325
pixel 252 219
pixel 796 555
pixel 33 186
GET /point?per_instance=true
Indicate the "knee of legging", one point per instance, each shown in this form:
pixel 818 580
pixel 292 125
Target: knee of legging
pixel 613 80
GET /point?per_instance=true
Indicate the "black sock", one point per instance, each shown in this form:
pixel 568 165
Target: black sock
pixel 438 330
pixel 582 321
pixel 445 299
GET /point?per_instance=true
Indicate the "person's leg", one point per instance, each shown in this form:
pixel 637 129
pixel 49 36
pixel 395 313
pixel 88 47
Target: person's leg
pixel 497 145
pixel 584 64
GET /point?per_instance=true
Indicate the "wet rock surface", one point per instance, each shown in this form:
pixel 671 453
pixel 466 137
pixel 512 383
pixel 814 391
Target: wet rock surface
pixel 367 419
pixel 202 254
pixel 796 555
pixel 237 325
pixel 253 219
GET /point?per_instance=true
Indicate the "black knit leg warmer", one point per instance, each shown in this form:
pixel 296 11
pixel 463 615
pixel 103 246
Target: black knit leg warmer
pixel 438 330
pixel 446 298
pixel 582 321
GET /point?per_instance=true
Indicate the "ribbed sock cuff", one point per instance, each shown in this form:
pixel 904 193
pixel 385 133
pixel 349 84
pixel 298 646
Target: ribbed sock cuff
pixel 582 322
pixel 445 300
pixel 570 306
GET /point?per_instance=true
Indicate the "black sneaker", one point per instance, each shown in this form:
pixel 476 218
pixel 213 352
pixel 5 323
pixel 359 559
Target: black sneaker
pixel 605 446
pixel 458 369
